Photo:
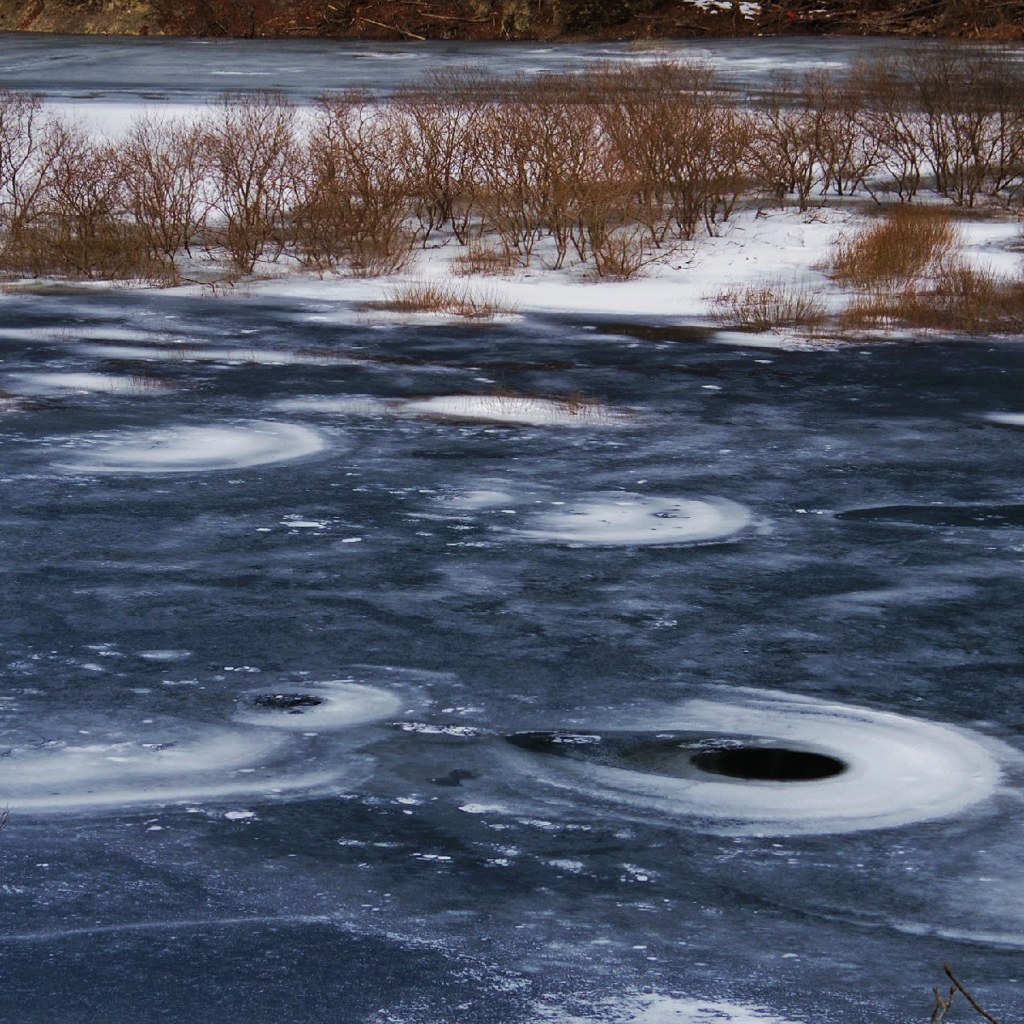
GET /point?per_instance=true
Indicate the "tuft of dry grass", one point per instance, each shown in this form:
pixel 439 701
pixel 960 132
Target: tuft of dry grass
pixel 906 245
pixel 483 260
pixel 959 299
pixel 768 305
pixel 443 297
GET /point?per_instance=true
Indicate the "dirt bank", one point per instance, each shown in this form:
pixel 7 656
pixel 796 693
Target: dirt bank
pixel 517 19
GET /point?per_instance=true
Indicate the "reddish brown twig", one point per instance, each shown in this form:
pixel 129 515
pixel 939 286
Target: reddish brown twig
pixel 958 987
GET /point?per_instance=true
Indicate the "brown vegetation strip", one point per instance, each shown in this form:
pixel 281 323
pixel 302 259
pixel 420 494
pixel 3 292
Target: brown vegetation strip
pixel 612 169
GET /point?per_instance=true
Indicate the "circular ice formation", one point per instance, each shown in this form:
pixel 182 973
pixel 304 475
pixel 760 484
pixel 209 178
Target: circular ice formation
pixel 322 707
pixel 894 770
pixel 618 518
pixel 63 776
pixel 168 761
pixel 197 449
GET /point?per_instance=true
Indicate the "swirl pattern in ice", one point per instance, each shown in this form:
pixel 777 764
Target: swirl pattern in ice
pixel 856 768
pixel 167 761
pixel 619 518
pixel 196 449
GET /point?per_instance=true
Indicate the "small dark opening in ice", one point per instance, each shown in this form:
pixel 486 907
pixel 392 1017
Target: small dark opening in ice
pixel 768 764
pixel 293 703
pixel 454 778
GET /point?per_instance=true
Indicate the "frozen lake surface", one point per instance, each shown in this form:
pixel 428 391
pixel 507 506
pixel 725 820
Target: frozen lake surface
pixel 308 704
pixel 150 69
pixel 355 671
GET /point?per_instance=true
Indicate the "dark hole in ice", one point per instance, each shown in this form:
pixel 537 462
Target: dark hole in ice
pixel 683 755
pixel 768 764
pixel 941 515
pixel 293 703
pixel 454 778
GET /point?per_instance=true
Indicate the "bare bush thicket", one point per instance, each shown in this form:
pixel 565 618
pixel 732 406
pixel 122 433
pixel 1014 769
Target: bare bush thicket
pixel 438 123
pixel 614 168
pixel 787 151
pixel 675 139
pixel 164 166
pixel 949 119
pixel 82 230
pixel 30 140
pixel 252 148
pixel 972 122
pixel 350 191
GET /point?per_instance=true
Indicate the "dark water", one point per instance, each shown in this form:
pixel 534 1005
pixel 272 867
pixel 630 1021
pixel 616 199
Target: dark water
pixel 411 864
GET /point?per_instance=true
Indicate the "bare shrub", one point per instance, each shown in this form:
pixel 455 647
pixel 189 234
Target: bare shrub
pixel 252 149
pixel 893 252
pixel 30 141
pixel 440 121
pixel 890 118
pixel 972 120
pixel 674 137
pixel 163 165
pixel 82 230
pixel 847 152
pixel 768 305
pixel 351 204
pixel 789 138
pixel 510 175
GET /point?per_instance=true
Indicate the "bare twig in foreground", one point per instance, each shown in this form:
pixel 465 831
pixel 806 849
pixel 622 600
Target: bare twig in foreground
pixel 958 987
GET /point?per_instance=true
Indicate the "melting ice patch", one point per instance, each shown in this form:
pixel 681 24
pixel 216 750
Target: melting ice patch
pixel 86 383
pixel 895 770
pixel 340 405
pixel 196 449
pixel 516 409
pixel 619 518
